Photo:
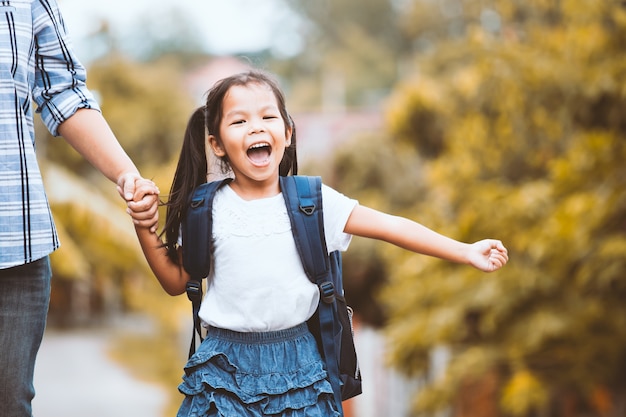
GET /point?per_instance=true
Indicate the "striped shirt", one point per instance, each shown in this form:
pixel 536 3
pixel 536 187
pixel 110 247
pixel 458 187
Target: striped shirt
pixel 37 65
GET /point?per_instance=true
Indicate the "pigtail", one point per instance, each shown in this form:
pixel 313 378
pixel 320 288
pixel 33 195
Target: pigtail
pixel 191 171
pixel 290 158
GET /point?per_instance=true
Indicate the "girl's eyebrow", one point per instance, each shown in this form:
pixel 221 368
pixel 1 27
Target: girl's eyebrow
pixel 233 113
pixel 241 112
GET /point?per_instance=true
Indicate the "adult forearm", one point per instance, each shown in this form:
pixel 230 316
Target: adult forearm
pixel 88 132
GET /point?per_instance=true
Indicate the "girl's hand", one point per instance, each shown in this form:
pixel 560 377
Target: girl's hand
pixel 488 255
pixel 143 208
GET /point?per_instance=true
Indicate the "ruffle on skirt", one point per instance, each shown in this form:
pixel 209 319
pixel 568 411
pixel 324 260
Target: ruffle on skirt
pixel 257 374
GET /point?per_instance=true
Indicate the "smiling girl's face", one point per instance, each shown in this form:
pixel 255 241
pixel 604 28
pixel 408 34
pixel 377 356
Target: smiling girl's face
pixel 253 138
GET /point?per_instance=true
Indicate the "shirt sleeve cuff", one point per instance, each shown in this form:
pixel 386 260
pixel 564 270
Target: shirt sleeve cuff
pixel 63 105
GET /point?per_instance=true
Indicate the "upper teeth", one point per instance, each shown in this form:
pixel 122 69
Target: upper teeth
pixel 258 145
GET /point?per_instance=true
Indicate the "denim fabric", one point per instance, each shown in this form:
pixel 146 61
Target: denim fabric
pixel 24 300
pixel 276 373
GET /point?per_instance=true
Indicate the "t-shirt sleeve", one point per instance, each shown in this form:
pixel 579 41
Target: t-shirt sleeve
pixel 337 209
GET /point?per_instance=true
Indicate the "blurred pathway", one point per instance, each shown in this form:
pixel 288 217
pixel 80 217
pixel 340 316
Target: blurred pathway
pixel 75 377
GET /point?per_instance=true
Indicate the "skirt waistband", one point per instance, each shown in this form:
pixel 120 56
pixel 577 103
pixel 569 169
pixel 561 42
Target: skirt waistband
pixel 258 337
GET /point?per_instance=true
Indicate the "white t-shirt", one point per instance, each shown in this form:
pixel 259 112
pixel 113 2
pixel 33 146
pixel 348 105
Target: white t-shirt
pixel 257 281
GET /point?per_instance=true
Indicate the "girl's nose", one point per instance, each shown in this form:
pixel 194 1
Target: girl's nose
pixel 256 126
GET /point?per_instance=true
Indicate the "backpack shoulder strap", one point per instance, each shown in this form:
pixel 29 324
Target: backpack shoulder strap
pixel 197 235
pixel 197 230
pixel 303 196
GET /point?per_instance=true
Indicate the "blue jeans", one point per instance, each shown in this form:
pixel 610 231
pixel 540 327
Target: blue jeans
pixel 24 300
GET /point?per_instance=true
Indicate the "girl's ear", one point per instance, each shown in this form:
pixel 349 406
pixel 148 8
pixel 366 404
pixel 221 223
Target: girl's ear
pixel 288 134
pixel 217 148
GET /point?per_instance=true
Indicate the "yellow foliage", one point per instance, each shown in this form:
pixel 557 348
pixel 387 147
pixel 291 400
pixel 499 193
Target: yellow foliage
pixel 523 393
pixel 532 152
pixel 421 93
pixel 467 81
pixel 146 105
pixel 69 261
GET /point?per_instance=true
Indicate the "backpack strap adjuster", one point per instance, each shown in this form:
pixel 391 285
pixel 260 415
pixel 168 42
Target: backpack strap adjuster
pixel 196 203
pixel 194 290
pixel 308 209
pixel 327 292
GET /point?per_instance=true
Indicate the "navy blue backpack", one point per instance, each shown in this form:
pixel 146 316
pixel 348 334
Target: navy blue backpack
pixel 332 322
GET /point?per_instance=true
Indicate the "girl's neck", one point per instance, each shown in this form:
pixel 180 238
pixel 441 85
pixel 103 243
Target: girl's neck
pixel 248 190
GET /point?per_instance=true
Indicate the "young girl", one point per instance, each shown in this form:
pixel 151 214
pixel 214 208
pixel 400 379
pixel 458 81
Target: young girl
pixel 259 358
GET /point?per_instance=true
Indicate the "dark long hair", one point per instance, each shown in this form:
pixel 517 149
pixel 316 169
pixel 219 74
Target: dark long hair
pixel 192 168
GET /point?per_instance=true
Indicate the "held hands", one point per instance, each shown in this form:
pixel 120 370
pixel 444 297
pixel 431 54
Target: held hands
pixel 142 199
pixel 487 255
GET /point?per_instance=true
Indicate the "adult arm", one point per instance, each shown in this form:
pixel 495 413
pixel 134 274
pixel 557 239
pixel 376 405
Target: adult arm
pixel 67 106
pixel 88 132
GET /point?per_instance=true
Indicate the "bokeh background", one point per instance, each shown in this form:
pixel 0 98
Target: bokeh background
pixel 478 118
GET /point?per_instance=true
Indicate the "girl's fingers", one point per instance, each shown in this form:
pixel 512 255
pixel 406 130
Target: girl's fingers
pixel 498 259
pixel 148 202
pixel 145 188
pixel 142 210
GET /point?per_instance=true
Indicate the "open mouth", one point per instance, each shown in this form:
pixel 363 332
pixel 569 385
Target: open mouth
pixel 259 153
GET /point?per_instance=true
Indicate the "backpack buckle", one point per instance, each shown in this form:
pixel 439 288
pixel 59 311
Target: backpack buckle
pixel 196 203
pixel 194 291
pixel 308 209
pixel 327 291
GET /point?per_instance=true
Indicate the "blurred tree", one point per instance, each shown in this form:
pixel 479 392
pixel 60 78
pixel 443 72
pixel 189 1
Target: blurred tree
pixel 100 274
pixel 516 113
pixel 352 54
pixel 160 32
pixel 99 267
pixel 379 174
pixel 146 103
pixel 164 32
pixel 146 106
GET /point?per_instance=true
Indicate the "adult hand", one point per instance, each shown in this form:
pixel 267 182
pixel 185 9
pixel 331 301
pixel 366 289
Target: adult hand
pixel 126 185
pixel 142 198
pixel 488 255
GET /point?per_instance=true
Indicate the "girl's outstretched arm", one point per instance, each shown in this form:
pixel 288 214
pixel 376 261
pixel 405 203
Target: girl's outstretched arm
pixel 172 277
pixel 487 255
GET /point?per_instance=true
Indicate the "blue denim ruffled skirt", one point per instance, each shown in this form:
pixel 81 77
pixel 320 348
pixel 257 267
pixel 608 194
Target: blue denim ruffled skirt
pixel 276 373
